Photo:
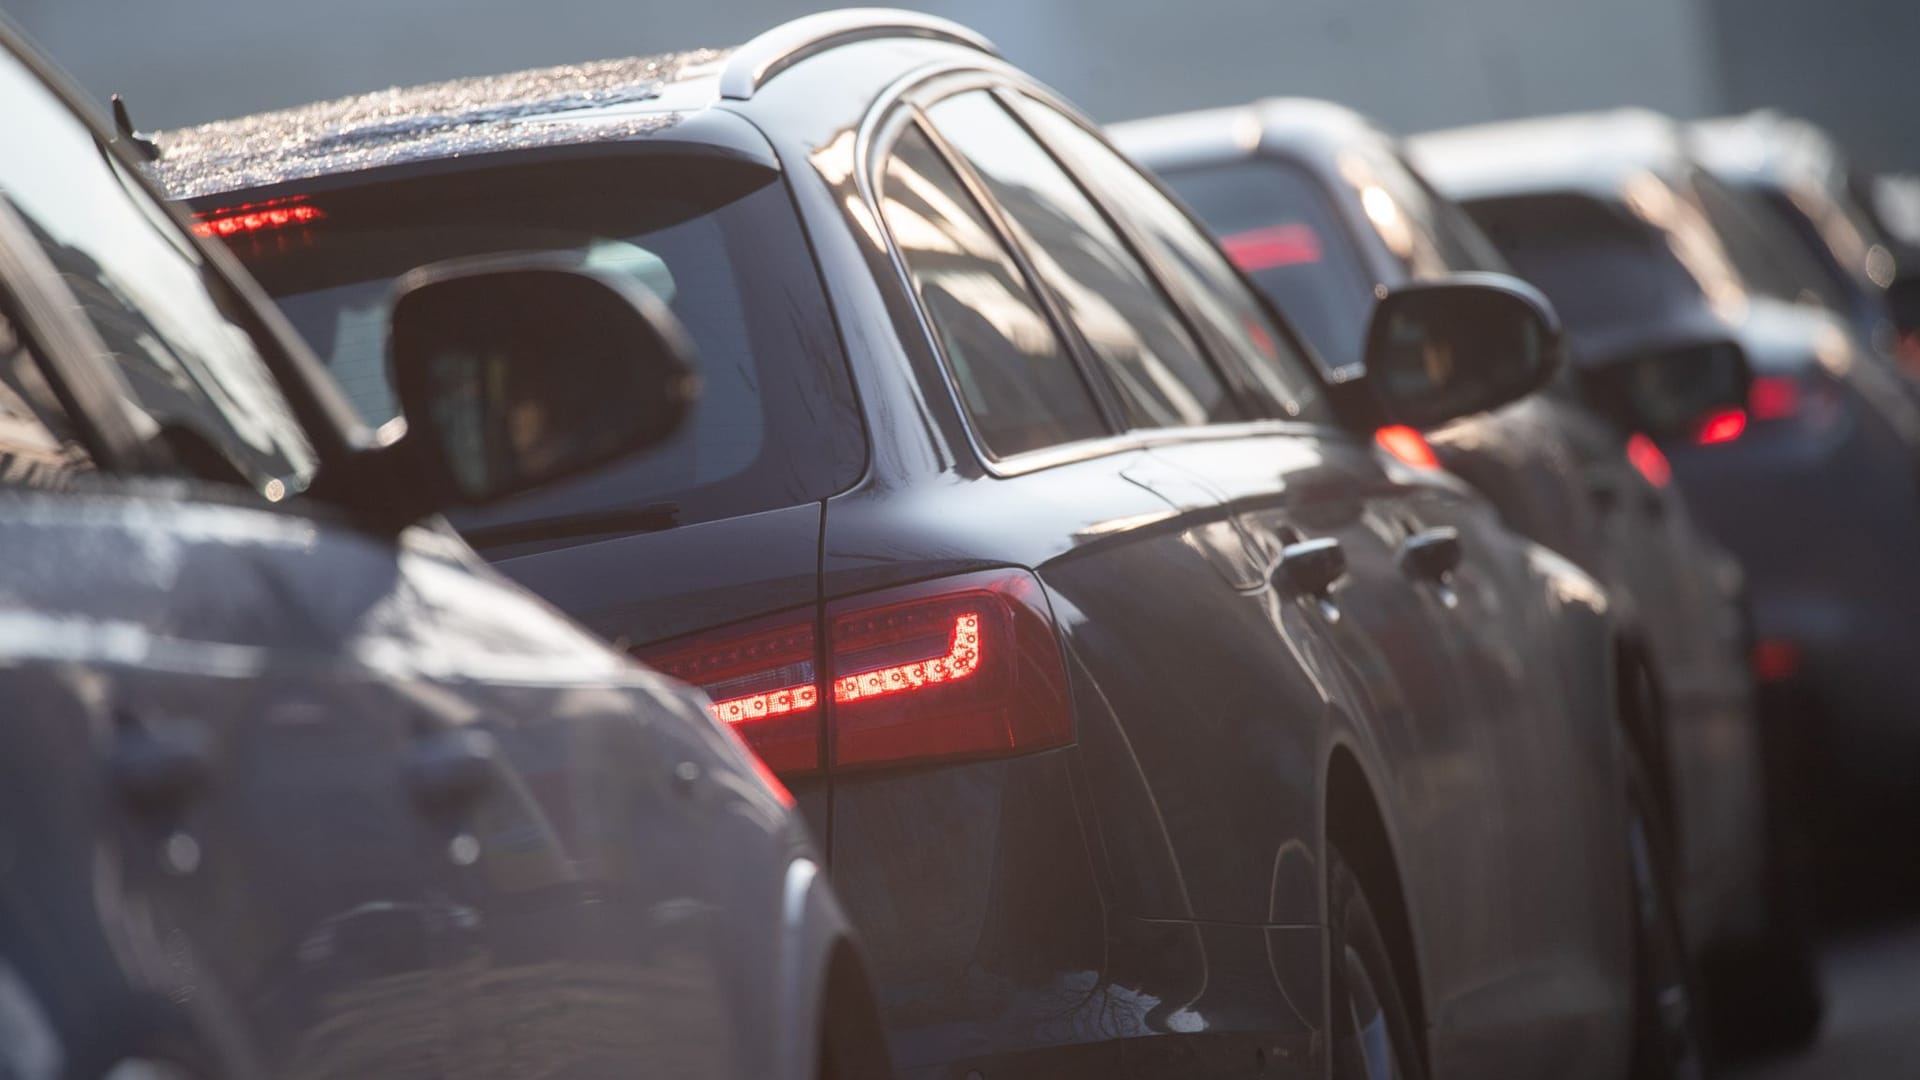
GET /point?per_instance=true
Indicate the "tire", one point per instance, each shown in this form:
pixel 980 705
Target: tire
pixel 1669 1039
pixel 1373 1034
pixel 1764 994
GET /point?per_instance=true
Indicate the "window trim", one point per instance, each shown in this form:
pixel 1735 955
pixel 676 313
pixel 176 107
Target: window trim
pixel 899 105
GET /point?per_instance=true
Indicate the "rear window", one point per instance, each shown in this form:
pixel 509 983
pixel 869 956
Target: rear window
pixel 1600 267
pixel 775 424
pixel 1279 226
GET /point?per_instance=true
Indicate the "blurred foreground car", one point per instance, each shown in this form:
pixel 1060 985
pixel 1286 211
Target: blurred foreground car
pixel 291 783
pixel 1814 484
pixel 1321 210
pixel 1157 725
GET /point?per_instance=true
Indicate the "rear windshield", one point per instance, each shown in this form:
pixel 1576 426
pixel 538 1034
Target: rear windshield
pixel 774 425
pixel 1600 267
pixel 1280 227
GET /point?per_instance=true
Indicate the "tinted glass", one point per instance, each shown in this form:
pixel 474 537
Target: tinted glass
pixel 1019 385
pixel 1599 267
pixel 1108 294
pixel 1406 212
pixel 774 424
pixel 1228 311
pixel 39 446
pixel 195 380
pixel 1762 248
pixel 1279 227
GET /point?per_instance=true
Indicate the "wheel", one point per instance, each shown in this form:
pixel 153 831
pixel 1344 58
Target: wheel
pixel 1764 994
pixel 1373 1037
pixel 1668 1037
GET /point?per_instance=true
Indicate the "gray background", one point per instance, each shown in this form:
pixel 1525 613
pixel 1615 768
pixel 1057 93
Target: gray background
pixel 1412 64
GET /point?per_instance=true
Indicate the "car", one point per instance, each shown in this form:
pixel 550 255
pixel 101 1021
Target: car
pixel 1812 484
pixel 1804 180
pixel 293 783
pixel 1321 208
pixel 1153 721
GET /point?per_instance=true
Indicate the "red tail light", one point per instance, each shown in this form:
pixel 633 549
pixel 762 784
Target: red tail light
pixel 1721 427
pixel 1647 458
pixel 761 678
pixel 1771 397
pixel 958 667
pixel 1279 245
pixel 1408 445
pixel 1775 661
pixel 232 221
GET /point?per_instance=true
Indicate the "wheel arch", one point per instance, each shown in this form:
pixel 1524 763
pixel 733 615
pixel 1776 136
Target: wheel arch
pixel 1354 822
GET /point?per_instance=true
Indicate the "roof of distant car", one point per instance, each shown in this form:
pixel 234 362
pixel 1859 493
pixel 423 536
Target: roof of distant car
pixel 1770 148
pixel 1299 125
pixel 1594 153
pixel 571 103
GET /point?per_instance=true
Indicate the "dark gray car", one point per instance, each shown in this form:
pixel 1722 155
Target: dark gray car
pixel 293 784
pixel 1322 209
pixel 1814 483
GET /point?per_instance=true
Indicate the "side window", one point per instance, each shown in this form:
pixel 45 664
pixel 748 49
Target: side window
pixel 195 381
pixel 39 446
pixel 1226 306
pixel 1115 304
pixel 1020 387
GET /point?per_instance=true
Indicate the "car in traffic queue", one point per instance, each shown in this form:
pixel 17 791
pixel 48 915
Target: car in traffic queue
pixel 1814 483
pixel 1804 180
pixel 1320 208
pixel 1153 721
pixel 293 783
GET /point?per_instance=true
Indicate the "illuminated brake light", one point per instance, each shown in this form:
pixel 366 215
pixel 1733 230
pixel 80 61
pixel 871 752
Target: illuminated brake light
pixel 961 659
pixel 1275 246
pixel 1775 661
pixel 1408 446
pixel 959 667
pixel 1721 427
pixel 1648 460
pixel 762 683
pixel 229 222
pixel 1771 397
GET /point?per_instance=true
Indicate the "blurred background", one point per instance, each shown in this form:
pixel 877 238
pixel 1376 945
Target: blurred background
pixel 1410 64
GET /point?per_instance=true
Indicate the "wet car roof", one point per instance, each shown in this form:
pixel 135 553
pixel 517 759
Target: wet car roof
pixel 569 103
pixel 1593 153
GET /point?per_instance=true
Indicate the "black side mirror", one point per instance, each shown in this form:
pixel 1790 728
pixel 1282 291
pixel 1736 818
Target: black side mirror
pixel 516 371
pixel 1668 391
pixel 1465 344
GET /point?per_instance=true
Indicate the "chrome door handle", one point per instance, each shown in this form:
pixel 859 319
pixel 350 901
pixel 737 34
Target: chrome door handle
pixel 1310 567
pixel 1432 553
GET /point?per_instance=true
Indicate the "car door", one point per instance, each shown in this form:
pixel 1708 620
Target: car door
pixel 1443 608
pixel 347 796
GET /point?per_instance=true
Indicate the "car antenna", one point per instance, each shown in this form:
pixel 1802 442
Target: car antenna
pixel 123 124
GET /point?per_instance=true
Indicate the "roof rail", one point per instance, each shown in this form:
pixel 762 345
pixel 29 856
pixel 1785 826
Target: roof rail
pixel 759 60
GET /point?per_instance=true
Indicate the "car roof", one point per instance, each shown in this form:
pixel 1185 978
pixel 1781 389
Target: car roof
pixel 1305 128
pixel 1770 149
pixel 1595 154
pixel 569 104
pixel 607 99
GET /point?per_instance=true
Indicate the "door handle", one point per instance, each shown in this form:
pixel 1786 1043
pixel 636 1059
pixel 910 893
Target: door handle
pixel 1431 553
pixel 1310 567
pixel 448 770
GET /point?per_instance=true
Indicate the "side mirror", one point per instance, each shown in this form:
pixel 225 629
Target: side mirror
pixel 1465 344
pixel 516 371
pixel 1667 392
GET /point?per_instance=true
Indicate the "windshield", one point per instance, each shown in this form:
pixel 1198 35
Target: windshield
pixel 774 425
pixel 1600 267
pixel 1279 227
